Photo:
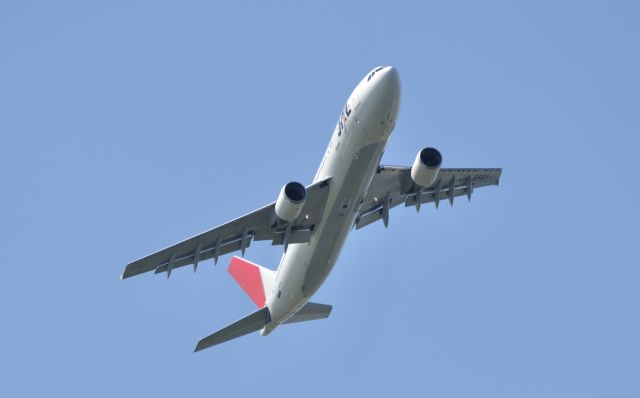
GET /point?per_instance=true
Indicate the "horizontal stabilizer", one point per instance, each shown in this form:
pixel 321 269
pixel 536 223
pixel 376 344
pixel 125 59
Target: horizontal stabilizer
pixel 310 312
pixel 246 325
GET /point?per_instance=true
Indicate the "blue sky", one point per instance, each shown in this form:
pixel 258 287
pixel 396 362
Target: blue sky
pixel 127 126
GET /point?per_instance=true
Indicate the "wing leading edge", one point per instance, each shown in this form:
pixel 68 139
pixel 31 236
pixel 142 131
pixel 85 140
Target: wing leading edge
pixel 392 186
pixel 237 235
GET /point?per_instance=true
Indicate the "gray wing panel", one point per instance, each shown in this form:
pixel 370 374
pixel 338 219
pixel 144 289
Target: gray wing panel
pixel 246 325
pixel 311 312
pixel 392 186
pixel 236 235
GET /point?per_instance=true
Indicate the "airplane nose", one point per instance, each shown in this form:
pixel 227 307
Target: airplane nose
pixel 380 101
pixel 388 82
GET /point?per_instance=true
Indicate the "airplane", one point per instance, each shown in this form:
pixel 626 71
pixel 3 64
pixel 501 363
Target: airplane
pixel 350 191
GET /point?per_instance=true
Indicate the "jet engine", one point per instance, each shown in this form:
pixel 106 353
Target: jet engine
pixel 290 201
pixel 426 167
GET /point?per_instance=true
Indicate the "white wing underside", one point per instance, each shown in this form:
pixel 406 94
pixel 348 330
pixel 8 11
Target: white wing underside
pixel 237 234
pixel 392 186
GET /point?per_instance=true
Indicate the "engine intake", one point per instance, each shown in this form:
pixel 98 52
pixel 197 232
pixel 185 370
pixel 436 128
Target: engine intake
pixel 290 201
pixel 426 167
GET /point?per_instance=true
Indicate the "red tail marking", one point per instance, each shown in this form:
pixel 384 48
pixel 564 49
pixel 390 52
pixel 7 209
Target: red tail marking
pixel 247 274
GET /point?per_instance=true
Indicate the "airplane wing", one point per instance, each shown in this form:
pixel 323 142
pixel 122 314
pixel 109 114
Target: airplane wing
pixel 236 235
pixel 393 185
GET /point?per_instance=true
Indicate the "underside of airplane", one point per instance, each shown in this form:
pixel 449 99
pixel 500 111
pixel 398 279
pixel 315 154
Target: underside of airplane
pixel 351 190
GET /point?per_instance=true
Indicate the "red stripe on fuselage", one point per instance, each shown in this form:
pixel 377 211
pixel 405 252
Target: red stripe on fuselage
pixel 247 274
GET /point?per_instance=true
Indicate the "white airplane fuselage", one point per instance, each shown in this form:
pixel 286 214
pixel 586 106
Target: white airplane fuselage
pixel 350 161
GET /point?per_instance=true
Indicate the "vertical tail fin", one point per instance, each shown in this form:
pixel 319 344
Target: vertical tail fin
pixel 256 281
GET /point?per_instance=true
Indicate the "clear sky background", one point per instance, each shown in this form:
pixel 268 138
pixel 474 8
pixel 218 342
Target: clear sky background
pixel 126 126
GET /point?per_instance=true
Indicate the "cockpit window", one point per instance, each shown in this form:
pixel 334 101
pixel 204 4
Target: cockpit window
pixel 378 69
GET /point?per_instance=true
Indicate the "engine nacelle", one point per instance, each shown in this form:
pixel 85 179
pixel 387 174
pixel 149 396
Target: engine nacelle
pixel 426 167
pixel 290 201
